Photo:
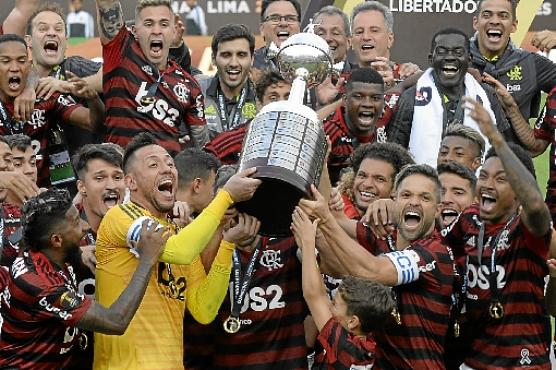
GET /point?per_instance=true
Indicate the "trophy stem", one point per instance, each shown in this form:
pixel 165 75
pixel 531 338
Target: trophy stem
pixel 297 92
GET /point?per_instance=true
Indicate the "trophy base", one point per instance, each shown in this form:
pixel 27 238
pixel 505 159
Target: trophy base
pixel 275 199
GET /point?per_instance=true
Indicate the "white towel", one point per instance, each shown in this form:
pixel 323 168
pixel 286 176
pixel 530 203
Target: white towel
pixel 426 130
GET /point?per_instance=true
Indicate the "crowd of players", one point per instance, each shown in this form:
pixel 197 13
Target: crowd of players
pixel 426 245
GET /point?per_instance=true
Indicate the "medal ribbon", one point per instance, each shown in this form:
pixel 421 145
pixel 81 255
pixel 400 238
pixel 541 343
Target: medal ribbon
pixel 493 276
pixel 236 111
pixel 241 283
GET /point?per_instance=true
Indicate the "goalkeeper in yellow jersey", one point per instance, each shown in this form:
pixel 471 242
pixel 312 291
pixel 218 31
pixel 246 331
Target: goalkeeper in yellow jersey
pixel 154 339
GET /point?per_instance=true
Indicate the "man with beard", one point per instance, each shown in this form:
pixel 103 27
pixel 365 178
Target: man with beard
pixel 227 146
pixel 506 238
pixel 270 306
pixel 144 90
pixel 180 278
pixel 230 95
pixel 523 73
pixel 412 260
pixel 462 144
pixel 373 171
pixel 425 111
pixel 458 192
pixel 42 309
pixel 359 120
pixel 47 112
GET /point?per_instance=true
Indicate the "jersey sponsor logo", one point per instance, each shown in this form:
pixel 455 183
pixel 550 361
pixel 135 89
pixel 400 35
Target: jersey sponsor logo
pixel 87 288
pixel 515 74
pixel 513 88
pixel 173 287
pixel 18 268
pixel 182 92
pixel 66 100
pixel 64 315
pixel 271 259
pixel 147 69
pixel 423 96
pixel 160 109
pixel 479 277
pixel 260 299
pixel 428 267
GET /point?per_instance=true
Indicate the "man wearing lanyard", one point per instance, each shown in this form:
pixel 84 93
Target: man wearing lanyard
pixel 230 98
pixel 506 238
pixel 46 113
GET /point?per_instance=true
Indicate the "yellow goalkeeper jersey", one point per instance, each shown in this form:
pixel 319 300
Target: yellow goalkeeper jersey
pixel 154 338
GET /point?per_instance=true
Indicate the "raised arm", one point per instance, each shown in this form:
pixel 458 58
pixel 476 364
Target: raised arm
pixel 115 319
pixel 110 19
pixel 535 214
pixel 358 261
pixel 17 20
pixel 314 290
pixel 521 127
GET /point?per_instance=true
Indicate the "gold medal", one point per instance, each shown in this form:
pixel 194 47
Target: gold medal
pixel 456 329
pixel 147 100
pixel 397 316
pixel 496 310
pixel 174 292
pixel 232 325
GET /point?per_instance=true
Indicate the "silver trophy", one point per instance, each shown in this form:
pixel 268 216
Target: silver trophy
pixel 286 140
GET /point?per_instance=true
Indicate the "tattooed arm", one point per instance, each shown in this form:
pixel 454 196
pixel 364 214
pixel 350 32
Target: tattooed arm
pixel 110 19
pixel 535 215
pixel 115 319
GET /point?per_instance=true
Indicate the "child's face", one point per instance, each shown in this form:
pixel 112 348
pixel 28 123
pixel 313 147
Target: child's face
pixel 340 311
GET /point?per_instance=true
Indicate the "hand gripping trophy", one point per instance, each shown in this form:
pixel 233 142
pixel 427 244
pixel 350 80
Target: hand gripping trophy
pixel 286 141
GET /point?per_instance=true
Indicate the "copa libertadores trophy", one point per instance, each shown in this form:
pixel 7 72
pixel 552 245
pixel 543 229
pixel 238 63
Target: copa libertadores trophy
pixel 286 140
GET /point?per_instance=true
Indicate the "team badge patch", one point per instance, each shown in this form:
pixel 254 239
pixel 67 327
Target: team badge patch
pixel 249 110
pixel 182 92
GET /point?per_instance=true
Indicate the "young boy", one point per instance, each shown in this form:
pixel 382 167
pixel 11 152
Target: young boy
pixel 346 324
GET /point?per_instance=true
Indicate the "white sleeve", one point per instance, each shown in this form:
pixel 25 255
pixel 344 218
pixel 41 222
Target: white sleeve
pixel 406 264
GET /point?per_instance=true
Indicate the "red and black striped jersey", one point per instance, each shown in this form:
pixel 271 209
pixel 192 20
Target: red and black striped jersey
pixel 10 221
pixel 128 75
pixel 272 335
pixel 545 129
pixel 40 312
pixel 350 209
pixel 343 142
pixel 521 337
pixel 227 145
pixel 46 113
pixel 342 350
pixel 423 306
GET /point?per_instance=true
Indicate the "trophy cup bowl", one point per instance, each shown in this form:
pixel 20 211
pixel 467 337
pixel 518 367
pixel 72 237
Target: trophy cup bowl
pixel 286 140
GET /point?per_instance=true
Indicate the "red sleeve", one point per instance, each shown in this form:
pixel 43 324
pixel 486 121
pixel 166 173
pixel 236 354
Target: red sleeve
pixel 366 238
pixel 544 128
pixel 330 337
pixel 195 115
pixel 112 52
pixel 64 105
pixel 61 304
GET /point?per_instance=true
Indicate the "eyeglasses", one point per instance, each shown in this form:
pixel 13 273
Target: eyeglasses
pixel 276 18
pixel 442 51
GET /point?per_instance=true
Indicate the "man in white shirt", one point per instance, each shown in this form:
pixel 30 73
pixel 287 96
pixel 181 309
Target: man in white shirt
pixel 79 22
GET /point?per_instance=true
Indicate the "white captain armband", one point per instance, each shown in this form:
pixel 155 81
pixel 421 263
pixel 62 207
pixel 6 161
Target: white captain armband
pixel 406 265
